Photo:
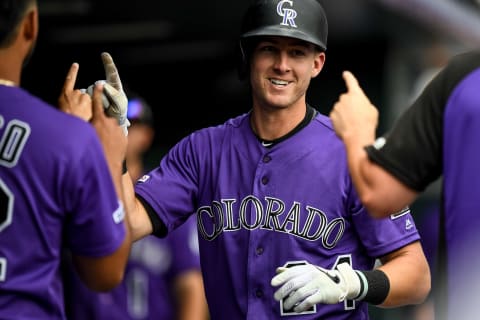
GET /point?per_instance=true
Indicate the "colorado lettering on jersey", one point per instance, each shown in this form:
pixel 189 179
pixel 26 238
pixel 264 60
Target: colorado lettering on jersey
pixel 221 216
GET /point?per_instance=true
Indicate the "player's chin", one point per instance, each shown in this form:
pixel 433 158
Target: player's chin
pixel 282 106
pixel 279 100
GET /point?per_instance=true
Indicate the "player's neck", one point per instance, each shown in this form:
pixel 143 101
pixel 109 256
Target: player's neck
pixel 10 69
pixel 7 83
pixel 310 114
pixel 7 80
pixel 269 124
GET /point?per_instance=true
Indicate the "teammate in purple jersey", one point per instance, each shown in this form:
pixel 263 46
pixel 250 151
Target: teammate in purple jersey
pixel 437 136
pixel 163 279
pixel 271 192
pixel 56 186
pixel 157 284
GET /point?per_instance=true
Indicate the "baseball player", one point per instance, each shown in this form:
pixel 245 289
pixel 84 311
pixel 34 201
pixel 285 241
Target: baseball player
pixel 436 136
pixel 162 279
pixel 56 187
pixel 282 233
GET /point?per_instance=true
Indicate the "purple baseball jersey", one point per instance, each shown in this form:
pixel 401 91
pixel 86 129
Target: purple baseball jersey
pixel 147 290
pixel 439 134
pixel 260 208
pixel 55 190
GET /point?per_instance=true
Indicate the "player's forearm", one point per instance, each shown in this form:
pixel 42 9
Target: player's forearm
pixel 115 168
pixel 191 297
pixel 104 273
pixel 380 192
pixel 140 225
pixel 117 177
pixel 409 276
pixel 359 166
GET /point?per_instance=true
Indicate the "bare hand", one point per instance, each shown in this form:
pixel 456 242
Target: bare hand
pixel 74 101
pixel 353 115
pixel 113 139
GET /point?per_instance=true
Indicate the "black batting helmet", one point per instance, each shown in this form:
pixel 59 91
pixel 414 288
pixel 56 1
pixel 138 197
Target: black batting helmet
pixel 299 19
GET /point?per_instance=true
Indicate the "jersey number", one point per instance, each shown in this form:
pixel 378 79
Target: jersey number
pixel 348 304
pixel 6 212
pixel 11 146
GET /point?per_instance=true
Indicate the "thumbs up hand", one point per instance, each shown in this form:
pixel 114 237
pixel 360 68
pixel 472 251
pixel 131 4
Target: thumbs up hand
pixel 353 115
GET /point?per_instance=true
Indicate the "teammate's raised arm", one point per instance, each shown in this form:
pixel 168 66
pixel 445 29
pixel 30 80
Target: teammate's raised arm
pixel 436 136
pixel 355 120
pixel 353 115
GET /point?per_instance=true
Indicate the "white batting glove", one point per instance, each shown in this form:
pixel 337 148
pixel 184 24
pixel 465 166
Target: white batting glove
pixel 114 98
pixel 306 285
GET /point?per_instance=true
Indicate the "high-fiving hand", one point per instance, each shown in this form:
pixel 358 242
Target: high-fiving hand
pixel 113 139
pixel 114 98
pixel 91 108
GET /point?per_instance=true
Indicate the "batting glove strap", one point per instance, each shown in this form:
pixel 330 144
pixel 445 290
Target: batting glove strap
pixel 374 286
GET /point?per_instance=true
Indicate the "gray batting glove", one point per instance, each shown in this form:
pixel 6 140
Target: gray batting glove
pixel 306 285
pixel 114 98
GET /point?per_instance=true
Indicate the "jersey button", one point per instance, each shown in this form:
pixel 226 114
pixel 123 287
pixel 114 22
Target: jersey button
pixel 264 180
pixel 259 251
pixel 259 293
pixel 267 159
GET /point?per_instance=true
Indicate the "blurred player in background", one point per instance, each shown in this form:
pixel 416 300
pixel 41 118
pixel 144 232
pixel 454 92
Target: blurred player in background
pixel 437 136
pixel 56 187
pixel 281 230
pixel 141 134
pixel 163 280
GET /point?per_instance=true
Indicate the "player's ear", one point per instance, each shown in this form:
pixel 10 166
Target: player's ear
pixel 318 63
pixel 30 25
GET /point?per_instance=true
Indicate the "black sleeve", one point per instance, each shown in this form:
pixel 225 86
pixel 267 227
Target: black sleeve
pixel 159 228
pixel 412 149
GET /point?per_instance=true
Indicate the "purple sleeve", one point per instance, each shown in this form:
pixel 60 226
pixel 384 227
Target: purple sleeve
pixel 175 179
pixel 95 225
pixel 382 236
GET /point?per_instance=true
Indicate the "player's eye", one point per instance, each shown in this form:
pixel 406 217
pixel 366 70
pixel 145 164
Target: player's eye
pixel 298 53
pixel 267 48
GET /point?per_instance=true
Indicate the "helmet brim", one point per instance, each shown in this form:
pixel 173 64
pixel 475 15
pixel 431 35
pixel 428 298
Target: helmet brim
pixel 278 31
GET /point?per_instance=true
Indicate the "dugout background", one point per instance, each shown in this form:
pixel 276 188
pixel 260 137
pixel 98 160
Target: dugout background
pixel 180 57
